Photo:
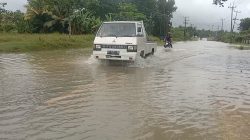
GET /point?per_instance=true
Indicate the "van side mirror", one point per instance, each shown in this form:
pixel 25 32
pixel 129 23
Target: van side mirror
pixel 139 32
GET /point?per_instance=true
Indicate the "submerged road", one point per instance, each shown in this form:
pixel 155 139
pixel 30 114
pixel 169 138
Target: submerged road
pixel 196 91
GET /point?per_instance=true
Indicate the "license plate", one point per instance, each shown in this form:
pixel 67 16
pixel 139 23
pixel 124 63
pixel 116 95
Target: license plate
pixel 113 53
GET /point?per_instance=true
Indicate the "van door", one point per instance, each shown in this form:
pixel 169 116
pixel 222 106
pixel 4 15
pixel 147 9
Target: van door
pixel 140 37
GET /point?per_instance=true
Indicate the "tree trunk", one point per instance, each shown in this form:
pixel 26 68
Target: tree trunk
pixel 69 28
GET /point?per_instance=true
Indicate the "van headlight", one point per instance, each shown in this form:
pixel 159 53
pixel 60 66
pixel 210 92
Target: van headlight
pixel 132 48
pixel 98 47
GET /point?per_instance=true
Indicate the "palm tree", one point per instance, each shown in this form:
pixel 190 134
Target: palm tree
pixel 36 7
pixel 60 13
pixel 65 13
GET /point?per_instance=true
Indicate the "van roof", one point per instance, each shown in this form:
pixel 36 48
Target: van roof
pixel 124 22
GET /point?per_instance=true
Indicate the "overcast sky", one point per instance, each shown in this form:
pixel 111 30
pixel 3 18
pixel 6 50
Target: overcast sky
pixel 15 4
pixel 201 13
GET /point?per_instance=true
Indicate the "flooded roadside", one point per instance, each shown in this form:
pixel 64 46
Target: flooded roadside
pixel 198 90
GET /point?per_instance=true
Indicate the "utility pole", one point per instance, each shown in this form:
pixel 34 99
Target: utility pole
pixel 235 19
pixel 185 27
pixel 222 24
pixel 212 31
pixel 212 28
pixel 192 29
pixel 232 13
pixel 217 32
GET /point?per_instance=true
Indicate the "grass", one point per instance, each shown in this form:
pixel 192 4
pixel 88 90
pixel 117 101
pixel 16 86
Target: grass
pixel 243 46
pixel 157 40
pixel 240 46
pixel 37 42
pixel 14 42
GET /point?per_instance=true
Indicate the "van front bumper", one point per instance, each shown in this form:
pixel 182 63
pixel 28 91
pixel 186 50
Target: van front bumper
pixel 129 56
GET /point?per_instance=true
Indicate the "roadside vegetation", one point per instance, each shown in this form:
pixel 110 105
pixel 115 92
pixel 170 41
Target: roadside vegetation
pixel 13 42
pixel 53 24
pixel 178 33
pixel 241 38
pixel 78 18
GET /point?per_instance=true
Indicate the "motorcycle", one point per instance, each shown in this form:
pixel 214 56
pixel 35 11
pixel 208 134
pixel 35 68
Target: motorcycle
pixel 168 45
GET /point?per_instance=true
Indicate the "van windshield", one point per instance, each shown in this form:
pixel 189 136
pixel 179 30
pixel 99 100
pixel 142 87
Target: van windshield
pixel 117 30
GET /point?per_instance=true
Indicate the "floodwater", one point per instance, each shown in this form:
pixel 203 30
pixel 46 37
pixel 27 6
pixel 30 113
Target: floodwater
pixel 196 91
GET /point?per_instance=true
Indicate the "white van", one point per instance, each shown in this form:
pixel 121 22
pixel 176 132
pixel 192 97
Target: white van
pixel 122 40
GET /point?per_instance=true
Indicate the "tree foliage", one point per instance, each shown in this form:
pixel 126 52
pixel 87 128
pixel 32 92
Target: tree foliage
pixel 162 16
pixel 129 12
pixel 85 16
pixel 244 24
pixel 219 2
pixel 84 22
pixel 11 21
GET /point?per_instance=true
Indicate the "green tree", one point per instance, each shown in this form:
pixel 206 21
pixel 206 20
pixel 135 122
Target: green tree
pixel 101 8
pixel 147 7
pixel 84 22
pixel 60 16
pixel 128 11
pixel 37 14
pixel 162 16
pixel 10 21
pixel 64 16
pixel 21 25
pixel 244 24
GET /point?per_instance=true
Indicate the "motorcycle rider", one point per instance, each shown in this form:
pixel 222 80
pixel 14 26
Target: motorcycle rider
pixel 168 40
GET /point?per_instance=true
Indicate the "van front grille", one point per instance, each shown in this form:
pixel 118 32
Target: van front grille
pixel 114 47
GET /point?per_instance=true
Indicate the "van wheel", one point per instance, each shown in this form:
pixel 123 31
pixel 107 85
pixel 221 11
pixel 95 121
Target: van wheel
pixel 153 51
pixel 142 54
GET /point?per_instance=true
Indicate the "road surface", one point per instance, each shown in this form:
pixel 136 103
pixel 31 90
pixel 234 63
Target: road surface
pixel 197 90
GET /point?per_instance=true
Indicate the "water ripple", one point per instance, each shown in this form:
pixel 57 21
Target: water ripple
pixel 198 90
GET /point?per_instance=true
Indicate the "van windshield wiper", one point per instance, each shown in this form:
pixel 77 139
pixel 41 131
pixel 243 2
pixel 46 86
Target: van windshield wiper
pixel 112 35
pixel 127 36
